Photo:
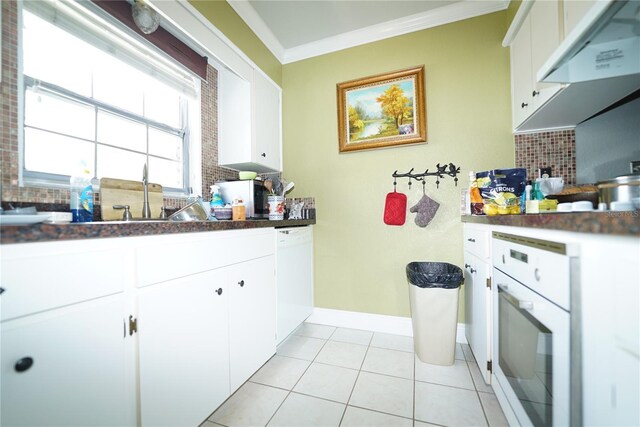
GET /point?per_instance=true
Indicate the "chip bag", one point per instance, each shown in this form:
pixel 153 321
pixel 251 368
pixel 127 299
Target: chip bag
pixel 501 190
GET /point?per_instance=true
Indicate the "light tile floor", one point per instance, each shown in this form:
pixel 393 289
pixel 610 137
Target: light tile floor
pixel 329 377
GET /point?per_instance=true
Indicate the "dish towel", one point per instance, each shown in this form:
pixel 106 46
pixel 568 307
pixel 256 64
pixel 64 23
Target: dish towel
pixel 395 209
pixel 426 209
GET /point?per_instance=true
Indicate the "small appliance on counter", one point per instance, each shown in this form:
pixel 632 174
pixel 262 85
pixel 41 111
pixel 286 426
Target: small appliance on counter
pixel 252 192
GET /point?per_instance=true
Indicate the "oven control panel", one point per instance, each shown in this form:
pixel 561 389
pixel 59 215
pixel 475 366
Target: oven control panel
pixel 542 266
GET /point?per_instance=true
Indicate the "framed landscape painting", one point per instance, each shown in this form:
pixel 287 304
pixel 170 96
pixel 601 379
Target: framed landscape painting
pixel 382 110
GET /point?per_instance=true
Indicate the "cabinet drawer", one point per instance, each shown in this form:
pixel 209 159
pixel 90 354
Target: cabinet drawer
pixel 42 276
pixel 162 258
pixel 476 241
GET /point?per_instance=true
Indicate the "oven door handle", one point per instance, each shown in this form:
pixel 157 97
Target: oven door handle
pixel 521 304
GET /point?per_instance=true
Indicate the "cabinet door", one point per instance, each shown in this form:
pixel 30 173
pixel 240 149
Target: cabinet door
pixel 78 371
pixel 574 11
pixel 183 349
pixel 234 118
pixel 252 317
pixel 267 113
pixel 521 75
pixel 478 311
pixel 545 38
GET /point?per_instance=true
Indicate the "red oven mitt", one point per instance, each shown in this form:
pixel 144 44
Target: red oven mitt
pixel 395 209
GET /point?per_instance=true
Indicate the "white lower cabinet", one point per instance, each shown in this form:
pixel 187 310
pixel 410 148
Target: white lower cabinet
pixel 183 349
pixel 477 293
pixel 157 336
pixel 252 317
pixel 68 367
pixel 477 279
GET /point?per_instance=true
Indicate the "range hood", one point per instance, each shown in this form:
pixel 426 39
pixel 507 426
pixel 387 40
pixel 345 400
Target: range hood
pixel 604 44
pixel 598 63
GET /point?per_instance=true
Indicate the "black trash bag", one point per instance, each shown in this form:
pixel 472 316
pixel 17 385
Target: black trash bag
pixel 434 275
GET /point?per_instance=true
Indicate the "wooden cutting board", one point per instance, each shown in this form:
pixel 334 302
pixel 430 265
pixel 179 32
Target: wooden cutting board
pixel 122 192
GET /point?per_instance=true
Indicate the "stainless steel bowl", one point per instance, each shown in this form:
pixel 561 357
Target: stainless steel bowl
pixel 192 212
pixel 625 188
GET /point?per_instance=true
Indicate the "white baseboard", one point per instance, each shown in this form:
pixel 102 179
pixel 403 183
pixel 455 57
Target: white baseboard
pixel 371 322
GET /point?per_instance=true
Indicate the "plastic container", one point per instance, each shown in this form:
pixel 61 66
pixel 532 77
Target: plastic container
pixel 222 212
pixel 434 289
pixel 81 197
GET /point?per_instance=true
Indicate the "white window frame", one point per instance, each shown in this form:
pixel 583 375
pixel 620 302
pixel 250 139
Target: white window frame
pixel 192 157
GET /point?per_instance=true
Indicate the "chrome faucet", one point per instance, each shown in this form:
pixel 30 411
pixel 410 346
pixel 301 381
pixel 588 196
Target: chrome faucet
pixel 146 210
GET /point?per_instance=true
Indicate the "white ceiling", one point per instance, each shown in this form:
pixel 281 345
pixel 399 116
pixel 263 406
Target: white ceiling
pixel 299 29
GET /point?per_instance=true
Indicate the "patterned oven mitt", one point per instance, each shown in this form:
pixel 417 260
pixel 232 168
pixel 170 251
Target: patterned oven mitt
pixel 426 209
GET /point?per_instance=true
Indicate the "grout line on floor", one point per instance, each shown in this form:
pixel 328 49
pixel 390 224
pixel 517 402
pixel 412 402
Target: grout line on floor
pixel 484 412
pixel 294 386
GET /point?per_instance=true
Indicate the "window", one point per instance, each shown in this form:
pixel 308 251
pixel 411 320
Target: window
pixel 89 99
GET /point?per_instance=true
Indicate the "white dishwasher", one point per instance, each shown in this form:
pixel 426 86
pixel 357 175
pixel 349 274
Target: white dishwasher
pixel 294 278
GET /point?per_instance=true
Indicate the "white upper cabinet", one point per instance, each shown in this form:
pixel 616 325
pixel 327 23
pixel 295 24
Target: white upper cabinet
pixel 545 38
pixel 249 122
pixel 573 12
pixel 267 119
pixel 538 37
pixel 521 74
pixel 234 118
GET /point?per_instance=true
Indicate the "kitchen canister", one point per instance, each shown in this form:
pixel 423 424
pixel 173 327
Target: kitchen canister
pixel 276 207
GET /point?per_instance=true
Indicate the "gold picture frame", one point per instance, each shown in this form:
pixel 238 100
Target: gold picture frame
pixel 382 111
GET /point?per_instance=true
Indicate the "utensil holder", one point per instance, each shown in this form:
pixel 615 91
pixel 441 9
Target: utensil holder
pixel 276 207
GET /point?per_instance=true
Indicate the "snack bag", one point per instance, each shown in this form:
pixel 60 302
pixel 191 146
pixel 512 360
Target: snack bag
pixel 501 190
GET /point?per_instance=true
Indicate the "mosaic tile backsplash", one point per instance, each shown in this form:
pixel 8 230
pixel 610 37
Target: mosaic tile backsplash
pixel 555 149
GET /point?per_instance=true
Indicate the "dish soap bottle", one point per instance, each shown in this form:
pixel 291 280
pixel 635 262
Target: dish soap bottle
pixel 81 197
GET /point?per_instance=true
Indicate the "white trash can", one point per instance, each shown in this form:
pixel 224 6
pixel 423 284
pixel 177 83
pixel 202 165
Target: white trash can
pixel 434 288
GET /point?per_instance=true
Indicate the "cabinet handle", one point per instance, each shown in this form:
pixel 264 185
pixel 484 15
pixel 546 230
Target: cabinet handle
pixel 241 283
pixel 535 93
pixel 524 104
pixel 1 291
pixel 471 269
pixel 471 240
pixel 218 291
pixel 264 154
pixel 23 364
pixel 504 261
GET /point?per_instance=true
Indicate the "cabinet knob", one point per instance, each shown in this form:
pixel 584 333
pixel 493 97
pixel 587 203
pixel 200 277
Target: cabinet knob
pixel 23 364
pixel 264 154
pixel 241 283
pixel 1 290
pixel 535 93
pixel 524 104
pixel 218 291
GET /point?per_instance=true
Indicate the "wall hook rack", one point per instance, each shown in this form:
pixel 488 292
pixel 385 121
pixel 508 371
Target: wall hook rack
pixel 447 169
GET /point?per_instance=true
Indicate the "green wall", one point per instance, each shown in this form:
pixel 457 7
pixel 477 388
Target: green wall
pixel 223 17
pixel 359 261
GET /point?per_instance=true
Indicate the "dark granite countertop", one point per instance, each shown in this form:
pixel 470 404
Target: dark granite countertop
pixel 616 223
pixel 94 230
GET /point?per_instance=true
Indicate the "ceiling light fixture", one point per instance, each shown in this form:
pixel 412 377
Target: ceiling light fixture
pixel 145 17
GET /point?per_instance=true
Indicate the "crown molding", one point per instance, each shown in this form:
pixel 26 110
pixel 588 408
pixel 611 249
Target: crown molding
pixel 455 12
pixel 444 15
pixel 249 15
